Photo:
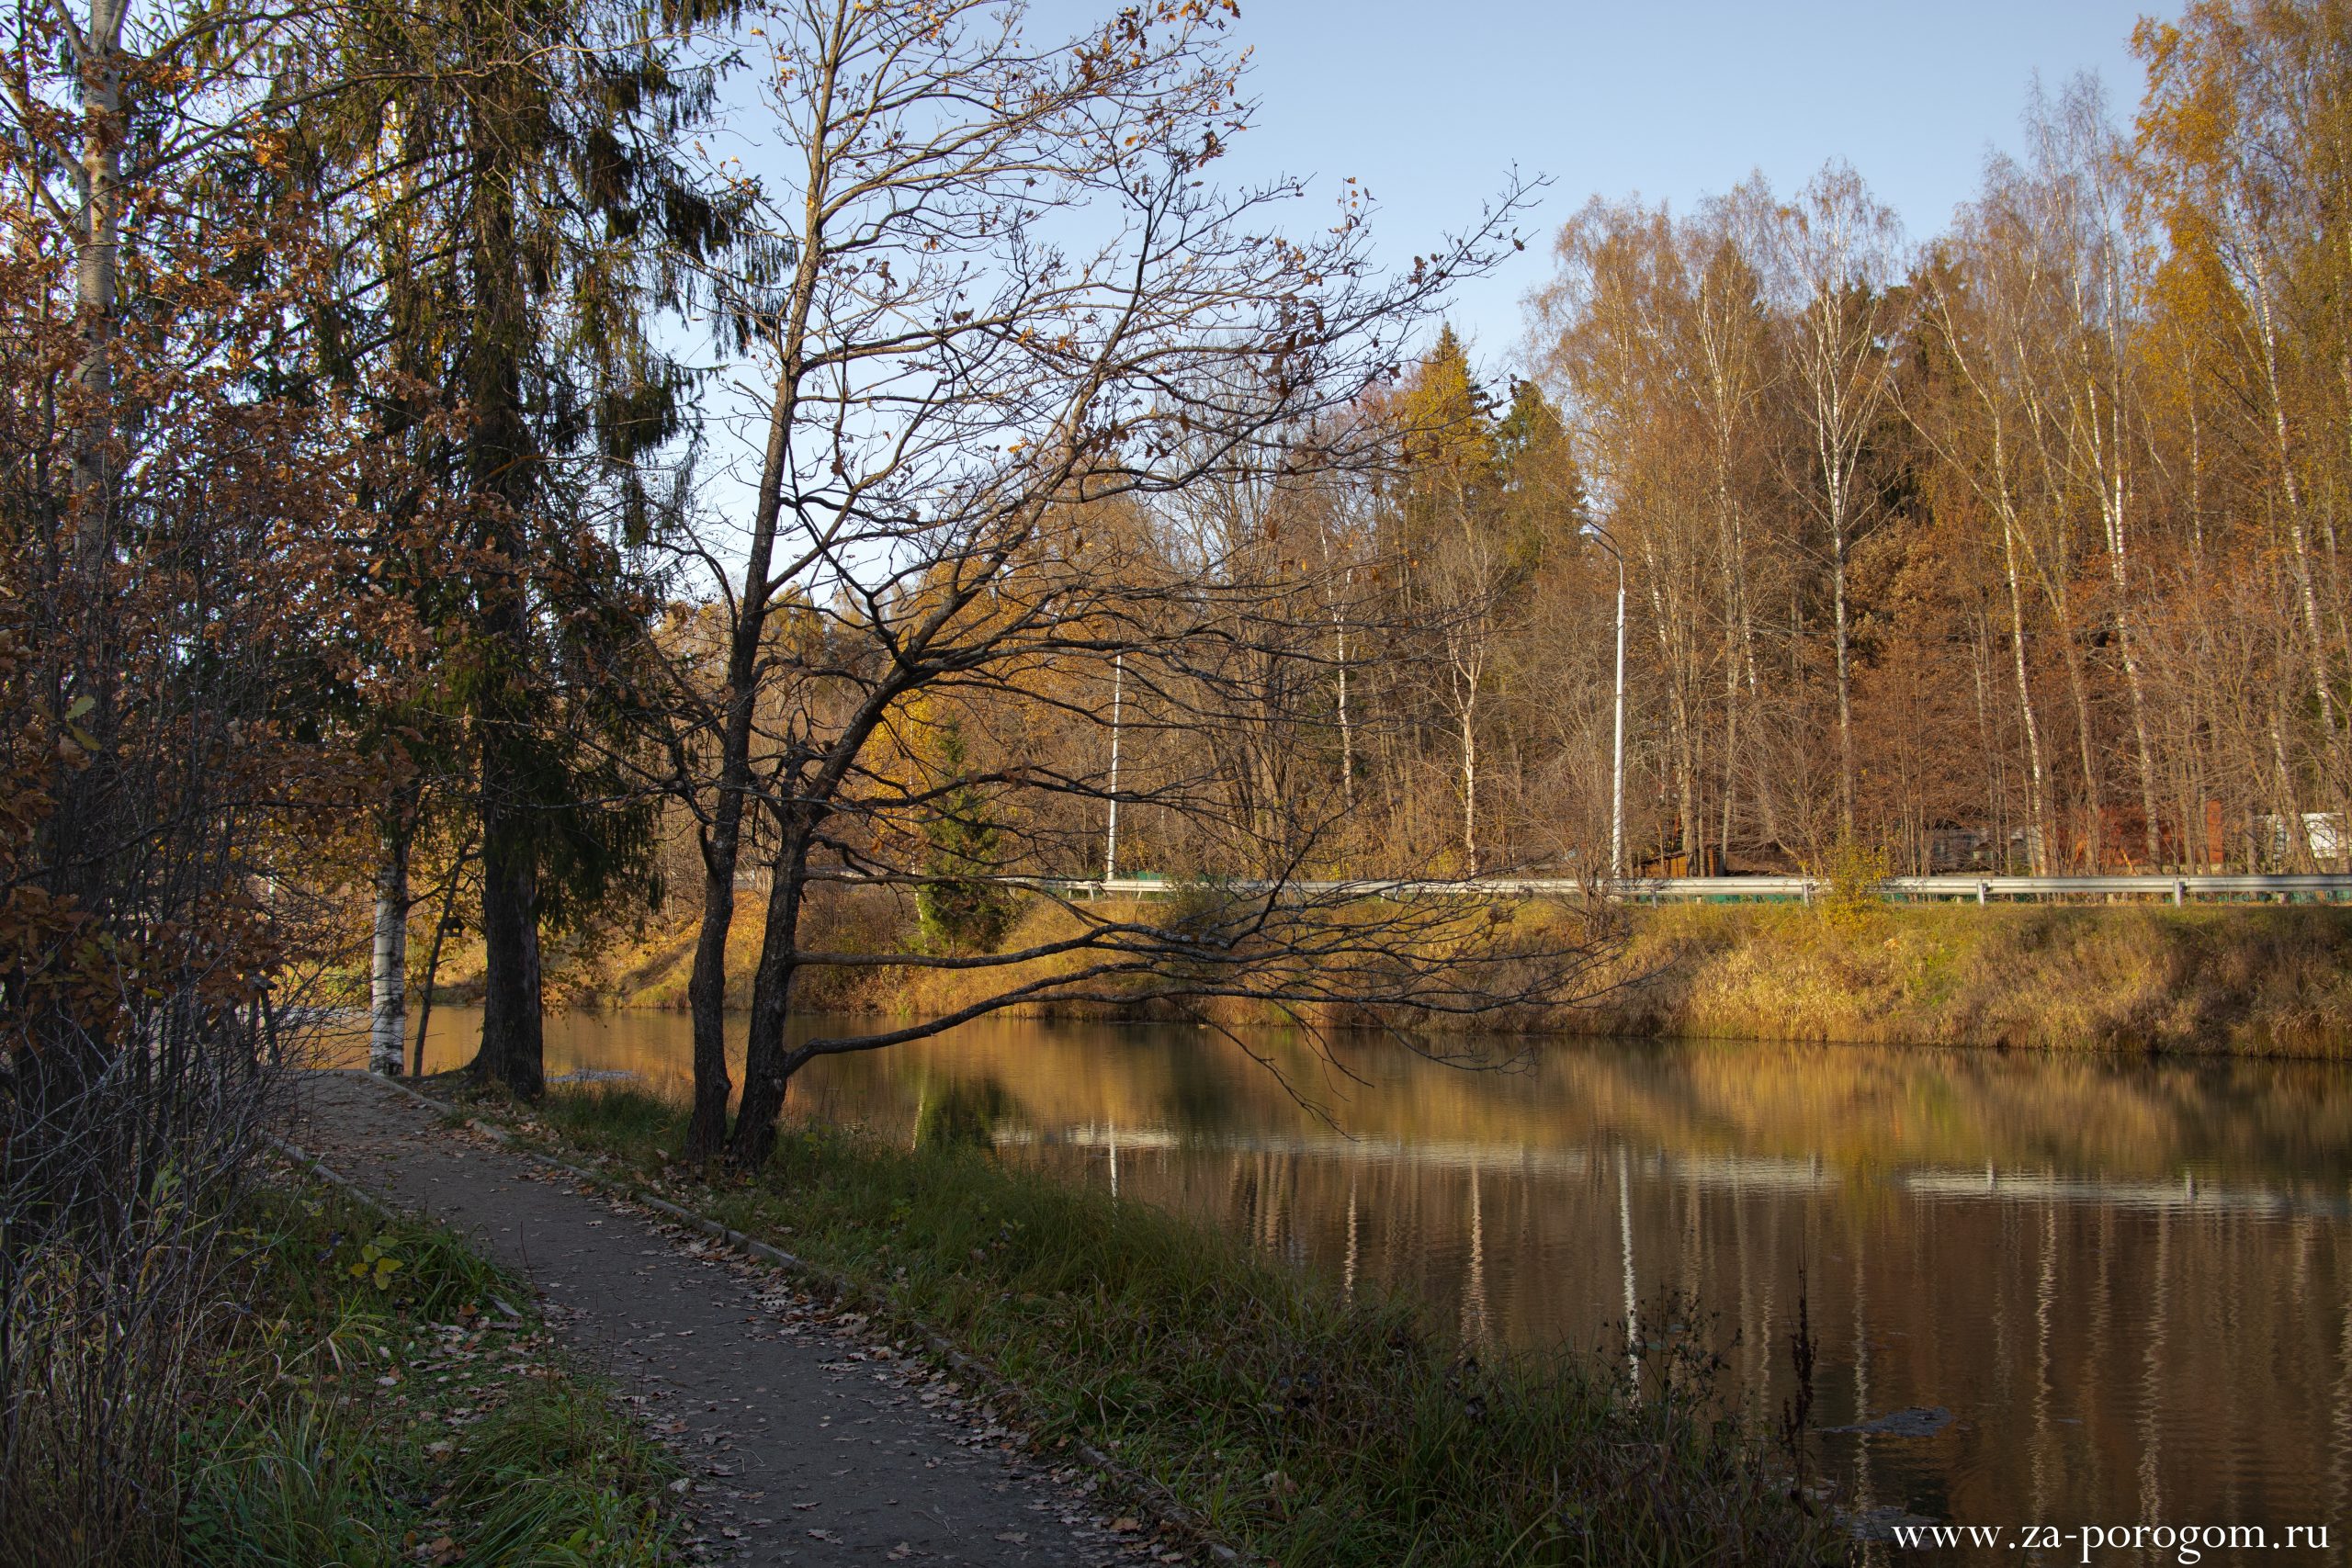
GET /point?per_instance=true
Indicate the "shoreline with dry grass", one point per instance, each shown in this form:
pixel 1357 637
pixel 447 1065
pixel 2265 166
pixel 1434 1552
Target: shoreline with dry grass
pixel 2251 980
pixel 2229 979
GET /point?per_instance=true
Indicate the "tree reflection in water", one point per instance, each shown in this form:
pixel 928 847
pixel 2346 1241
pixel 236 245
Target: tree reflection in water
pixel 2128 1278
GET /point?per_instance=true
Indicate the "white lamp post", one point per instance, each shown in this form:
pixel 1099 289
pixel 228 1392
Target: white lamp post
pixel 1617 751
pixel 1111 840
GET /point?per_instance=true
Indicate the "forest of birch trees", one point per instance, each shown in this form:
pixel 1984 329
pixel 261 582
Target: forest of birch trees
pixel 2015 547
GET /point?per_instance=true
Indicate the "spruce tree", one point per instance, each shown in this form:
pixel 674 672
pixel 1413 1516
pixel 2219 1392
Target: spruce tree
pixel 961 910
pixel 517 216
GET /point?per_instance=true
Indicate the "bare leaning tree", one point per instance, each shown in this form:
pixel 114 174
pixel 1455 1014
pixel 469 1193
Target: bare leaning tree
pixel 1018 309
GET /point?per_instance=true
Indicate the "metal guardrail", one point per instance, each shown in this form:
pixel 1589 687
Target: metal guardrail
pixel 1803 889
pixel 2179 889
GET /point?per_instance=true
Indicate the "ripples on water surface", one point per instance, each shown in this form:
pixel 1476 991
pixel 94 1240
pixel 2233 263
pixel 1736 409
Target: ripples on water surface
pixel 2128 1280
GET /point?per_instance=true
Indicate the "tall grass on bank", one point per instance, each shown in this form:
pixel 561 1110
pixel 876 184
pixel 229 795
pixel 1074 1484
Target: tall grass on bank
pixel 118 1181
pixel 1310 1428
pixel 390 1399
pixel 2250 980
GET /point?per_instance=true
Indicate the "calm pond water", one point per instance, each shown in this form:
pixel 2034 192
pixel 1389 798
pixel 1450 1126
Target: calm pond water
pixel 2127 1282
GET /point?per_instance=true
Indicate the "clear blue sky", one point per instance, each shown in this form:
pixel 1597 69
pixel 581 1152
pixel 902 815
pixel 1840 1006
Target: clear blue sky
pixel 1429 105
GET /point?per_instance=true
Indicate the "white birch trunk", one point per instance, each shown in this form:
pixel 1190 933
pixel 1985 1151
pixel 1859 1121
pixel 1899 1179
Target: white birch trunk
pixel 1470 784
pixel 95 273
pixel 1347 733
pixel 2038 849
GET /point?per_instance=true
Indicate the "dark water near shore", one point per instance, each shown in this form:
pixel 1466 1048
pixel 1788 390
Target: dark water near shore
pixel 2128 1282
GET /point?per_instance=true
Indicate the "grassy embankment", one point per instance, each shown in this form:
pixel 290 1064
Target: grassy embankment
pixel 1305 1427
pixel 401 1413
pixel 2252 979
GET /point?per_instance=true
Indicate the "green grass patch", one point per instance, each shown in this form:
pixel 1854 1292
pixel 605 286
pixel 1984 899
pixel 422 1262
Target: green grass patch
pixel 391 1397
pixel 1310 1429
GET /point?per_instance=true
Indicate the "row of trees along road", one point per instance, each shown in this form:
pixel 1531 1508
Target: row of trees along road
pixel 2019 550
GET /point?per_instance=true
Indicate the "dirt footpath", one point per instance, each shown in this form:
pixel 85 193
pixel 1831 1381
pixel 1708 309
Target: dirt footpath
pixel 808 1439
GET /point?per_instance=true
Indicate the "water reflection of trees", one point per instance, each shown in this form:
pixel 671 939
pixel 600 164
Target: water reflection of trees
pixel 2128 1278
pixel 959 1112
pixel 1858 1112
pixel 2149 1362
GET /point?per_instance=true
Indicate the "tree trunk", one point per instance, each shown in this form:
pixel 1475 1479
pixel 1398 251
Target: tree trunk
pixel 97 273
pixel 2297 527
pixel 2153 833
pixel 1470 784
pixel 766 1068
pixel 511 1043
pixel 1347 736
pixel 2288 810
pixel 1989 750
pixel 388 1017
pixel 2085 743
pixel 723 842
pixel 1732 596
pixel 2037 847
pixel 706 986
pixel 79 842
pixel 1845 684
pixel 500 473
pixel 722 845
pixel 1676 670
pixel 2115 496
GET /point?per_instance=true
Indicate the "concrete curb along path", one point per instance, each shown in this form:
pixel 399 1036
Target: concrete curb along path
pixel 807 1436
